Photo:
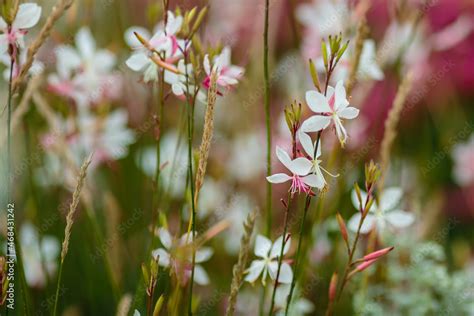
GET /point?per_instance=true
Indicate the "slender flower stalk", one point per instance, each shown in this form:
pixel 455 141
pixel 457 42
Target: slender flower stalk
pixel 69 223
pixel 266 79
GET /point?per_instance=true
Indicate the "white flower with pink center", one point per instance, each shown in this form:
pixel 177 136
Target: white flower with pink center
pixel 463 156
pixel 301 179
pixel 164 41
pixel 27 16
pixel 228 75
pixel 334 107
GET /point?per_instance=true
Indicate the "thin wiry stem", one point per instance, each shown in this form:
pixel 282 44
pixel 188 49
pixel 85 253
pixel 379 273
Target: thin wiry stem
pixel 267 120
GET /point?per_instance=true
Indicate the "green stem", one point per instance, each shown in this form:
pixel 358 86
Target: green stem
pixel 280 258
pixel 58 285
pixel 298 251
pixel 267 120
pixel 190 110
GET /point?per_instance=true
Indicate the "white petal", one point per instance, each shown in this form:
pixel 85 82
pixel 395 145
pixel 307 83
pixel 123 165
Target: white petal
pixel 85 42
pixel 348 113
pixel 3 44
pixel 314 181
pixel 137 61
pixel 340 101
pixel 286 275
pixel 136 313
pixel 204 254
pixel 317 102
pixel 132 40
pixel 164 257
pixel 262 246
pixel 200 275
pixel 207 66
pixel 254 271
pixel 399 218
pixel 276 248
pixel 3 24
pixel 315 123
pixel 301 166
pixel 278 178
pixel 177 89
pixel 367 226
pixel 283 157
pixel 165 238
pixel 306 142
pixel 390 198
pixel 28 15
pixel 173 23
pixel 355 200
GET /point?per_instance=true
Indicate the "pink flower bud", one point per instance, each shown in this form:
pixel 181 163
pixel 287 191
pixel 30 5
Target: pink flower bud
pixel 365 265
pixel 333 287
pixel 377 254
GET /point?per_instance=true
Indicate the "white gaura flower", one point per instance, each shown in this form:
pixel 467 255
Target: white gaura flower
pixel 334 107
pixel 314 154
pixel 228 75
pixel 27 16
pixel 178 81
pixel 383 214
pixel 40 257
pixel 269 254
pixel 85 73
pixel 301 180
pixel 299 305
pixel 164 41
pixel 177 255
pixel 463 156
pixel 107 137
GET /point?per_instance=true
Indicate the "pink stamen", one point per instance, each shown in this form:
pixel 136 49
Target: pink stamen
pixel 297 185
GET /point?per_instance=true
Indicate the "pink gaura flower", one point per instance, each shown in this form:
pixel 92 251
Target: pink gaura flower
pixel 228 75
pixel 27 16
pixel 301 180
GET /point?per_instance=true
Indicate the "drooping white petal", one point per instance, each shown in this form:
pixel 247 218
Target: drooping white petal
pixel 315 123
pixel 390 198
pixel 367 226
pixel 278 178
pixel 348 113
pixel 276 248
pixel 262 246
pixel 200 275
pixel 399 218
pixel 137 61
pixel 164 256
pixel 306 142
pixel 283 157
pixel 27 16
pixel 203 254
pixel 132 40
pixel 300 166
pixel 286 275
pixel 255 270
pixel 165 238
pixel 314 180
pixel 317 102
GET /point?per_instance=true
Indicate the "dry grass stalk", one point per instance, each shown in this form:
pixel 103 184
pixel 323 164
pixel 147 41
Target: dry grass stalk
pixel 73 206
pixel 206 136
pixel 239 267
pixel 58 10
pixel 391 123
pixel 362 31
